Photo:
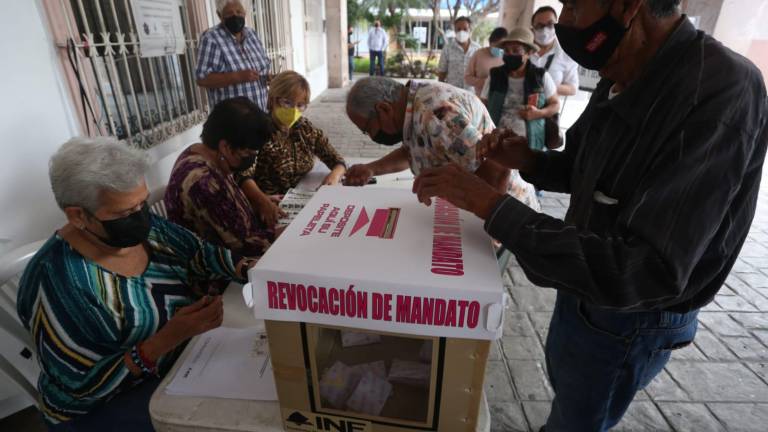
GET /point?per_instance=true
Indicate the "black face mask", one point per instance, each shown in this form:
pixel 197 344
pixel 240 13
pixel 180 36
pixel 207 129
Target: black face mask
pixel 593 46
pixel 388 139
pixel 244 164
pixel 234 24
pixel 126 231
pixel 512 62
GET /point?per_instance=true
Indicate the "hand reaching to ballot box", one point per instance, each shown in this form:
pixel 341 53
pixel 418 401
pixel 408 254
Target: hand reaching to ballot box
pixel 507 149
pixel 459 187
pixel 358 175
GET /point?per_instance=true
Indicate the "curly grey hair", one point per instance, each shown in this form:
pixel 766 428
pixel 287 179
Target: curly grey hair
pixel 221 4
pixel 84 167
pixel 367 92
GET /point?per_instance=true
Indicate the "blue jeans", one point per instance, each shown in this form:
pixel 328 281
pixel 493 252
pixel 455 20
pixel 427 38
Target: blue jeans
pixel 373 56
pixel 128 412
pixel 598 359
pixel 351 66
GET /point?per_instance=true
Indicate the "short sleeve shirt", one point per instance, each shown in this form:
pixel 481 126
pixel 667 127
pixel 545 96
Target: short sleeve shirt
pixel 563 69
pixel 219 52
pixel 444 124
pixel 454 62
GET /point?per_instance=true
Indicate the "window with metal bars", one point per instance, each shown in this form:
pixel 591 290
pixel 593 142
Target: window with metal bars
pixel 143 101
pixel 271 22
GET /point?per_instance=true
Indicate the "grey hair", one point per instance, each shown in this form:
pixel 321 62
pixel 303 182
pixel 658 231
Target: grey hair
pixel 221 4
pixel 84 167
pixel 369 91
pixel 657 8
pixel 663 8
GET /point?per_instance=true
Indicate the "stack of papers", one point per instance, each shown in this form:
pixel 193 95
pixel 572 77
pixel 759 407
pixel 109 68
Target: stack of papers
pixel 293 201
pixel 229 363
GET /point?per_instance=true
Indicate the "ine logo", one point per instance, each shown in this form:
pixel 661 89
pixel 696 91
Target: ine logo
pixel 297 421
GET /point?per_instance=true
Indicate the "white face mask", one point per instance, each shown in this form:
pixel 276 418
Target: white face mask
pixel 462 36
pixel 545 36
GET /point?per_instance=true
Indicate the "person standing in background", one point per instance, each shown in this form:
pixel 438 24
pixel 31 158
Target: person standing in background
pixel 519 95
pixel 456 54
pixel 484 60
pixel 378 41
pixel 231 60
pixel 551 57
pixel 351 51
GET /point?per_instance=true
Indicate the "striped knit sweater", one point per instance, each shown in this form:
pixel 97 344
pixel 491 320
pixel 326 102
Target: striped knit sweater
pixel 84 318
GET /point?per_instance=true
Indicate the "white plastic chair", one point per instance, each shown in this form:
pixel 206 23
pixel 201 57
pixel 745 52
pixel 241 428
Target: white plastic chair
pixel 18 360
pixel 156 203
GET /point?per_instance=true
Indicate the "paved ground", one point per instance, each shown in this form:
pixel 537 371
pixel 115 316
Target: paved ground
pixel 719 383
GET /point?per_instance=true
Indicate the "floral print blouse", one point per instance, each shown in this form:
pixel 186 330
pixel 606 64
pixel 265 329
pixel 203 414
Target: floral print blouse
pixel 203 199
pixel 443 124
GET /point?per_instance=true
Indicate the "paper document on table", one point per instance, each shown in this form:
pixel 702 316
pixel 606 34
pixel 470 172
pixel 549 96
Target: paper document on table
pixel 293 201
pixel 229 363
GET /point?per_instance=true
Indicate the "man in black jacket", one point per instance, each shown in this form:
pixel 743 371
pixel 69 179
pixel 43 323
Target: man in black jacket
pixel 663 168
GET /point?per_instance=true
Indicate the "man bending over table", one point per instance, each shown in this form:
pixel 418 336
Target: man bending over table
pixel 436 123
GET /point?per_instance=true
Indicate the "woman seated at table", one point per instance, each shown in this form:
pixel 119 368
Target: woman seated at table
pixel 202 193
pixel 290 153
pixel 107 298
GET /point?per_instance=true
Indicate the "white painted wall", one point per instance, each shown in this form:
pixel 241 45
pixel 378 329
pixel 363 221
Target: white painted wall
pixel 318 78
pixel 36 117
pixel 740 22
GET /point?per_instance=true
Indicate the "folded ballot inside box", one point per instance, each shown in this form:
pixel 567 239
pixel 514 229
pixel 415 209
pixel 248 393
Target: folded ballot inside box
pixel 380 311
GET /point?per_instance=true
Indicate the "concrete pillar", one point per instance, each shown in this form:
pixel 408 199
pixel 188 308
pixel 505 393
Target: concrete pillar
pixel 336 37
pixel 740 22
pixel 708 12
pixel 516 13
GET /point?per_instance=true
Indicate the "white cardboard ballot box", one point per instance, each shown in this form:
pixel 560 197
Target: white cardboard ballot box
pixel 377 259
pixel 380 312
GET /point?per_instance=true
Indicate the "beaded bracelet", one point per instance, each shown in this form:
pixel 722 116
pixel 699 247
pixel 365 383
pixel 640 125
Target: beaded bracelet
pixel 144 359
pixel 137 360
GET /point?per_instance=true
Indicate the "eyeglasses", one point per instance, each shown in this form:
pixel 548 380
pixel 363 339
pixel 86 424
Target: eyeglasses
pixel 287 103
pixel 542 26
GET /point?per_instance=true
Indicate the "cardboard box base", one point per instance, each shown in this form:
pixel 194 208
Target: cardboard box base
pixel 452 397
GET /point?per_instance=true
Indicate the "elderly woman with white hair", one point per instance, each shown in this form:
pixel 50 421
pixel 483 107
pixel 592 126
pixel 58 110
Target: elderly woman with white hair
pixel 107 299
pixel 231 59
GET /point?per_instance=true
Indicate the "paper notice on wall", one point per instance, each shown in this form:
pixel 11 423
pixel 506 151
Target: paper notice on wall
pixel 158 25
pixel 227 363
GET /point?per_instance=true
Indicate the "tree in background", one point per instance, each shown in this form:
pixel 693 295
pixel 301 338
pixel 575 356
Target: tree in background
pixel 478 9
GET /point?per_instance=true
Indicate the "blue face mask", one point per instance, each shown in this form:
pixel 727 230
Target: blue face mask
pixel 497 52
